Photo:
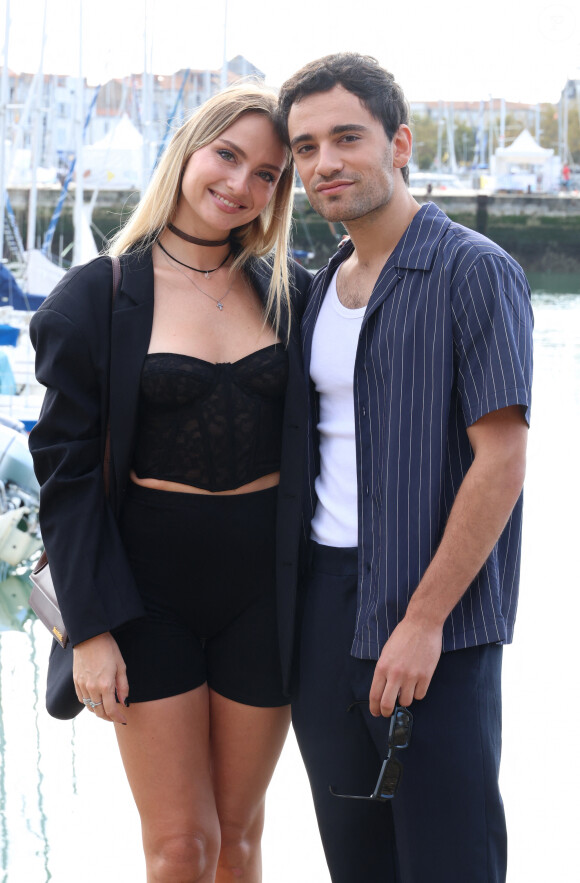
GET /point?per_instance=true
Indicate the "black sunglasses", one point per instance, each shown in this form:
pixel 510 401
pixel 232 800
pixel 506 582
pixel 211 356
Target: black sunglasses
pixel 392 768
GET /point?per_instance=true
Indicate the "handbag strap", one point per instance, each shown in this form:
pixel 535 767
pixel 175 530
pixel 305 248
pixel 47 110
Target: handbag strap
pixel 116 264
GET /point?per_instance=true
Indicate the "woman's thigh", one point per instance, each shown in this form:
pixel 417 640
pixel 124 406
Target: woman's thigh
pixel 199 766
pixel 246 742
pixel 165 748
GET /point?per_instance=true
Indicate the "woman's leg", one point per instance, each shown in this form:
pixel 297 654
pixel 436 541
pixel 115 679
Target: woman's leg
pixel 246 742
pixel 166 753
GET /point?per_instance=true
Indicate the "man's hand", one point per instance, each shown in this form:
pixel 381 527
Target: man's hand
pixel 405 666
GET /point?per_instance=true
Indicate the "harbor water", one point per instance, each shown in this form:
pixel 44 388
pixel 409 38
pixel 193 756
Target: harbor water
pixel 66 811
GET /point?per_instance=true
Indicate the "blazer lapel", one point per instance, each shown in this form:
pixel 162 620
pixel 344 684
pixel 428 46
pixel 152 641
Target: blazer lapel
pixel 130 336
pixel 260 274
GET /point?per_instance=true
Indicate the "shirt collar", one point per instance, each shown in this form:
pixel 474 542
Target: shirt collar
pixel 417 246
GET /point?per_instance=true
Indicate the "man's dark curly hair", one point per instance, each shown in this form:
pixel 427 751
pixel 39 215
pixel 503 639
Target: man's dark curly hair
pixel 360 74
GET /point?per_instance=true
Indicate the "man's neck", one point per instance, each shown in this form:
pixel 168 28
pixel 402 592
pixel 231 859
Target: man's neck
pixel 375 236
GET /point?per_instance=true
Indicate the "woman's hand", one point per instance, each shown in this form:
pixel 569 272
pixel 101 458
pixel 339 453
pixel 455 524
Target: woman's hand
pixel 99 672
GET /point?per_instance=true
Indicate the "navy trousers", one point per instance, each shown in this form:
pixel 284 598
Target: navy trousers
pixel 446 823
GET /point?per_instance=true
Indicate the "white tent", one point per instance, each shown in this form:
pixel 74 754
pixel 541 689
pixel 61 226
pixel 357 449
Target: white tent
pixel 525 166
pixel 116 160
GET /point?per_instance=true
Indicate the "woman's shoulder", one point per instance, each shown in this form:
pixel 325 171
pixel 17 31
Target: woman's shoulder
pixel 84 292
pixel 79 283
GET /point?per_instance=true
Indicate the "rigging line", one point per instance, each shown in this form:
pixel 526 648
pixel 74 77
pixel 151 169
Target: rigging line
pixel 171 119
pixel 48 236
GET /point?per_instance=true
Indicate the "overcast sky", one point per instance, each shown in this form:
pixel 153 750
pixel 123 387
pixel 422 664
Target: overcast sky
pixel 449 50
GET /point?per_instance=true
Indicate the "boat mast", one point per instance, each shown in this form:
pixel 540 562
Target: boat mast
pixel 36 111
pixel 79 168
pixel 452 161
pixel 146 105
pixel 3 126
pixel 563 125
pixel 224 76
pixel 490 137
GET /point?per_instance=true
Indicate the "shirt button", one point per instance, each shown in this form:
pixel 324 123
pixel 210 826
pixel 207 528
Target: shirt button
pixel 367 490
pixel 363 411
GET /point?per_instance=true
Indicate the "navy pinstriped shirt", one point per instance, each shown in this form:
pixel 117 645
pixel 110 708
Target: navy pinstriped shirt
pixel 446 338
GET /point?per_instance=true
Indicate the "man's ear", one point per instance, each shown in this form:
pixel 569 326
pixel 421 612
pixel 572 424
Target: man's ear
pixel 402 146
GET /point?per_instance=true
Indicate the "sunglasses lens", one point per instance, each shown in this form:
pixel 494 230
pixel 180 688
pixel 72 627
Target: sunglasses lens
pixel 401 728
pixel 389 779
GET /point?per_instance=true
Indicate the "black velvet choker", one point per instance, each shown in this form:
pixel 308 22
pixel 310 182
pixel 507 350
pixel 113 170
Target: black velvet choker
pixel 212 243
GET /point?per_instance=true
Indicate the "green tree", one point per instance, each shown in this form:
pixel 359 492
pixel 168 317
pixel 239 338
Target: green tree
pixel 574 134
pixel 424 141
pixel 549 125
pixel 464 140
pixel 513 127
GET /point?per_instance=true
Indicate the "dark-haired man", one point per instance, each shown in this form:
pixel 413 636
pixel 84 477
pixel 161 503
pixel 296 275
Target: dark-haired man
pixel 417 340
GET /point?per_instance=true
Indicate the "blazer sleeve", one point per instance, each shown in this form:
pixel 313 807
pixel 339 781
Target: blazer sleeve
pixel 92 578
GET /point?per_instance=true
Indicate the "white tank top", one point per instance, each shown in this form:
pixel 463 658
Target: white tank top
pixel 334 345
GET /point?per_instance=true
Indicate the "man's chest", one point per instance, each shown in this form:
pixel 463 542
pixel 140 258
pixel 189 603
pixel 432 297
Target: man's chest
pixel 355 285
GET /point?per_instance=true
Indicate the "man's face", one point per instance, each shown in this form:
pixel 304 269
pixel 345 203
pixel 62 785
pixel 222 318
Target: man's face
pixel 343 155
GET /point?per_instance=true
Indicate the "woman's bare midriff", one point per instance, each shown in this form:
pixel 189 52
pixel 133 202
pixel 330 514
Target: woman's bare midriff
pixel 158 484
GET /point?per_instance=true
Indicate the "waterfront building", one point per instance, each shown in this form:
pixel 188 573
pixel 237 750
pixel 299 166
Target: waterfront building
pixel 41 115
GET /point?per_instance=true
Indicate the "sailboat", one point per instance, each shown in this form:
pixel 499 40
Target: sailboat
pixel 20 394
pixel 20 539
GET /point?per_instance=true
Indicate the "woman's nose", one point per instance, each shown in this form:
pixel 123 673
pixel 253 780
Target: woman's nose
pixel 239 183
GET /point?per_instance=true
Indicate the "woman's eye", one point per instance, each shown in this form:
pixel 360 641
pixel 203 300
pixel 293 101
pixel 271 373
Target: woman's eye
pixel 226 154
pixel 267 176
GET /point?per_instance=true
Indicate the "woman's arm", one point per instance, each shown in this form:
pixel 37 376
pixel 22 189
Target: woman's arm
pixel 90 571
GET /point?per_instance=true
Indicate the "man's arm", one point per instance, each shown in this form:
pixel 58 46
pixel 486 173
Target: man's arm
pixel 486 497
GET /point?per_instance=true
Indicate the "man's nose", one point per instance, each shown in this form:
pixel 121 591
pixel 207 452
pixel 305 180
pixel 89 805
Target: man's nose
pixel 329 161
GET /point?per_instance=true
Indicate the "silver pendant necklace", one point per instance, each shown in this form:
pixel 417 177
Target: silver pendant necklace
pixel 217 301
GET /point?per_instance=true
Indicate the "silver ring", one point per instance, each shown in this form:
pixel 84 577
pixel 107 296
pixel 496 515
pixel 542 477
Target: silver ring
pixel 91 704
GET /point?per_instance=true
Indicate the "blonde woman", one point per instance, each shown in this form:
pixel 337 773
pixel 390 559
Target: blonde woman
pixel 179 590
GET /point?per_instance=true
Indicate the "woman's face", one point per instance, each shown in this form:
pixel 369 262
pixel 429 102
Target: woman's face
pixel 230 181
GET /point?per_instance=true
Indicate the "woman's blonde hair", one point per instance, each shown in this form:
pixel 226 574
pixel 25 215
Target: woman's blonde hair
pixel 268 233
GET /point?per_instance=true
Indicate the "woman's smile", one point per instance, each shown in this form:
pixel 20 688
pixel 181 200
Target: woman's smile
pixel 226 203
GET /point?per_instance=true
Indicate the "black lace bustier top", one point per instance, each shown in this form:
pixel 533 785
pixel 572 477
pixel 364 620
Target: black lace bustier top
pixel 211 426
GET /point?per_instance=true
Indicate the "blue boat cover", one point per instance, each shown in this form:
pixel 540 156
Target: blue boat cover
pixel 11 294
pixel 7 384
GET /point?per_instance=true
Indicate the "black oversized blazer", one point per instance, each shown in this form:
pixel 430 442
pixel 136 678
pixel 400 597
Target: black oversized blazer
pixel 76 337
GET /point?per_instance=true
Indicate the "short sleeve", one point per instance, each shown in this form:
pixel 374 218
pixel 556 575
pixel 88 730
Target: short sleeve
pixel 492 330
